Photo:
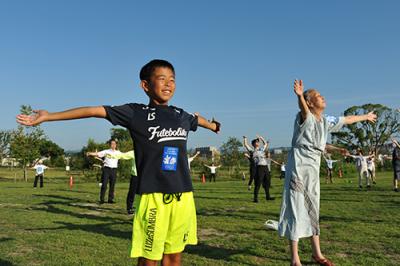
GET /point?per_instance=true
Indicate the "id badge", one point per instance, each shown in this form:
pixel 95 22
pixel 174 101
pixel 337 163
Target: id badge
pixel 170 158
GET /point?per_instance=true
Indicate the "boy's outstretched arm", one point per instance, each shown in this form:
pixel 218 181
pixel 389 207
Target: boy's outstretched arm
pixel 299 90
pixel 371 117
pixel 40 116
pixel 213 125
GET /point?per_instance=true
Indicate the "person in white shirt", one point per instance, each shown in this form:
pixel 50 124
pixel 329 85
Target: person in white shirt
pixel 39 167
pixel 109 171
pixel 329 168
pixel 283 170
pixel 362 167
pixel 213 170
pixel 371 167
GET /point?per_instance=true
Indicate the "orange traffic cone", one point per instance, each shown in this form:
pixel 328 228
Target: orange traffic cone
pixel 71 182
pixel 203 179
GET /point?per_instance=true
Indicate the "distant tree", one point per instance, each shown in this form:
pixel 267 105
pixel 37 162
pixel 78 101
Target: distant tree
pixel 91 146
pixel 24 144
pixel 120 134
pixel 231 155
pixel 47 148
pixel 365 135
pixel 5 139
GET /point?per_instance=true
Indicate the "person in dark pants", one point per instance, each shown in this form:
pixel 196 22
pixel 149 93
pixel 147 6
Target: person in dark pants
pixel 396 164
pixel 252 168
pixel 39 167
pixel 252 159
pixel 262 176
pixel 213 170
pixel 109 171
pixel 133 184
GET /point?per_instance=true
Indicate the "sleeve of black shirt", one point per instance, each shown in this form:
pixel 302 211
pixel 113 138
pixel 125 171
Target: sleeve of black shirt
pixel 193 120
pixel 121 115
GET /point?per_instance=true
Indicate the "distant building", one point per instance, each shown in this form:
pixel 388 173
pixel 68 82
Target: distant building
pixel 277 151
pixel 208 152
pixel 9 162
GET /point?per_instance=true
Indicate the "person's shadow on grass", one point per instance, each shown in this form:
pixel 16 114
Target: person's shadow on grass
pixel 5 263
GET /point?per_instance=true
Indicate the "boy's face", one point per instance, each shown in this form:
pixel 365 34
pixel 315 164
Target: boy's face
pixel 161 86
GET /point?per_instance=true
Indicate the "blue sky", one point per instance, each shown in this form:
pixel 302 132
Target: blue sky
pixel 235 60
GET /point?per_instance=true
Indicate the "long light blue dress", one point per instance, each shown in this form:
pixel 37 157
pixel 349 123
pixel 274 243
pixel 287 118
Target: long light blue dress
pixel 299 215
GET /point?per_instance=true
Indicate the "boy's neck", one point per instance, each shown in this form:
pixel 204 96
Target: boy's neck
pixel 154 102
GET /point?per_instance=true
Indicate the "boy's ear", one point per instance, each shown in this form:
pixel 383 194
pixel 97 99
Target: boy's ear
pixel 145 85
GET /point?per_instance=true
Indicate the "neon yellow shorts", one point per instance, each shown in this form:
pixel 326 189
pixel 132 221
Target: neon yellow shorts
pixel 163 224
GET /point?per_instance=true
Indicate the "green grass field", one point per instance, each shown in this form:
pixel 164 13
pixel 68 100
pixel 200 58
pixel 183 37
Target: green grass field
pixel 58 226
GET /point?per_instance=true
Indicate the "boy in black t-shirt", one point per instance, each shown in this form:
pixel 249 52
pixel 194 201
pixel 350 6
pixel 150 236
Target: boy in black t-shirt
pixel 165 219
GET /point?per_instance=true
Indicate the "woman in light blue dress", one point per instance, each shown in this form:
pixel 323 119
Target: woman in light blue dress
pixel 299 215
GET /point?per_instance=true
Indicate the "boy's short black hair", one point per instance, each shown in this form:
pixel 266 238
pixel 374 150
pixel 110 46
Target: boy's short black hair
pixel 148 69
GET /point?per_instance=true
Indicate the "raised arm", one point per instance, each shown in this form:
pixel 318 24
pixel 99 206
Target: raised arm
pixel 396 142
pixel 93 154
pixel 343 151
pixel 266 143
pixel 40 116
pixel 299 90
pixel 195 155
pixel 212 125
pixel 275 162
pixel 371 117
pixel 246 144
pixel 122 155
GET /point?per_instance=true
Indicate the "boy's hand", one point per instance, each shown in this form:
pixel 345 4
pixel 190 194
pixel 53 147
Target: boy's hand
pixel 213 125
pixel 217 125
pixel 34 119
pixel 371 117
pixel 298 87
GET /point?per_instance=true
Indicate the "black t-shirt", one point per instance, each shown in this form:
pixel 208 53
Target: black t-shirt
pixel 160 135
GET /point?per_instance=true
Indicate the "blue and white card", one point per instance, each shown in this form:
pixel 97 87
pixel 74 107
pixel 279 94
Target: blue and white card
pixel 170 158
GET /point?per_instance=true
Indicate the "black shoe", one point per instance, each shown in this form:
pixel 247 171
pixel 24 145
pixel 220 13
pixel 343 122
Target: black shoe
pixel 374 182
pixel 255 200
pixel 360 187
pixel 396 190
pixel 101 202
pixel 271 198
pixel 131 211
pixel 368 186
pixel 111 202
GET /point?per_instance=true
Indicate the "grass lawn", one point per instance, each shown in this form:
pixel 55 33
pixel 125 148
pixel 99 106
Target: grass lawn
pixel 58 226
